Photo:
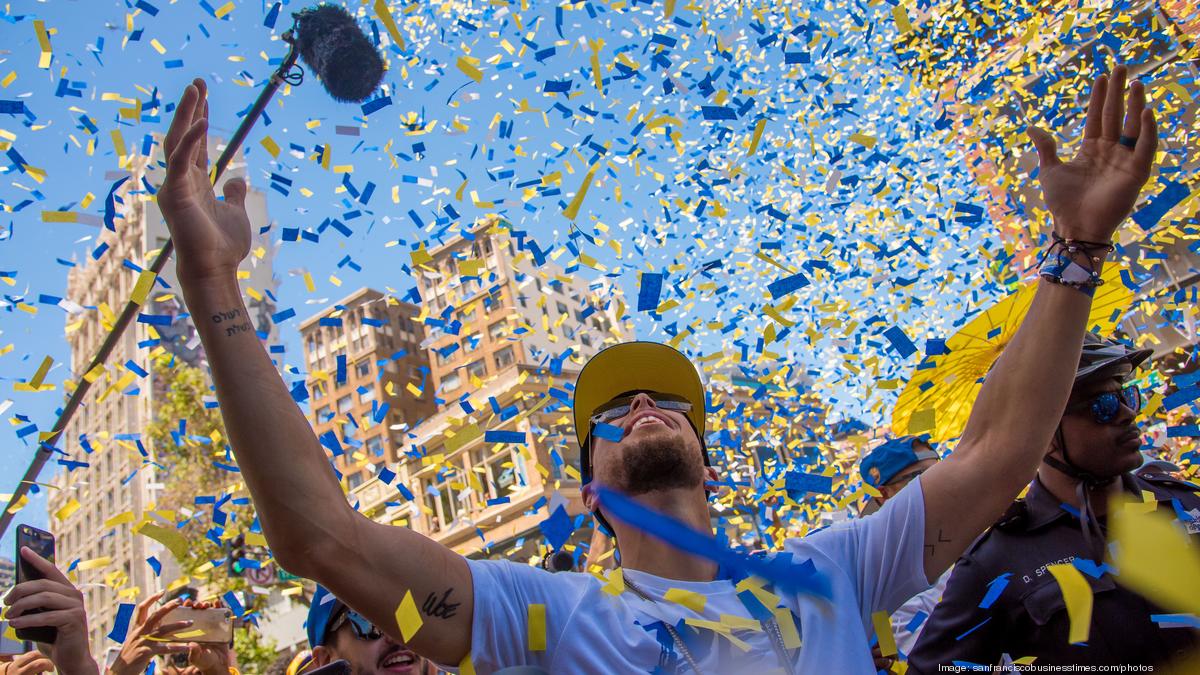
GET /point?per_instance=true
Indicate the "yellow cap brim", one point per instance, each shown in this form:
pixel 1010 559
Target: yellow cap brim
pixel 630 366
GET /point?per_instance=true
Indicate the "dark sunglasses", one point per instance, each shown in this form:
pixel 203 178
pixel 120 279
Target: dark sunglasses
pixel 620 407
pixel 1106 406
pixel 361 627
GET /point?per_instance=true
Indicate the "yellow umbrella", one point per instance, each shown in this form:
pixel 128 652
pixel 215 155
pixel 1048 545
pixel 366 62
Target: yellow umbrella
pixel 940 394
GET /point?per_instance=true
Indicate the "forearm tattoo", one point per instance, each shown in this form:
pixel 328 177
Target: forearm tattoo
pixel 441 607
pixel 229 318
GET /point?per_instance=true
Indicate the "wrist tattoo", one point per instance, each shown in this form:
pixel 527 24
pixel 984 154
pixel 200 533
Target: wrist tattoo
pixel 233 328
pixel 441 607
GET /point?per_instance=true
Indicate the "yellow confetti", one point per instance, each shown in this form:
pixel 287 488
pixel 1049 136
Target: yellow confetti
pixel 1078 596
pixel 67 509
pixel 60 217
pixel 224 9
pixel 572 210
pixel 172 539
pixel 141 289
pixel 883 631
pixel 469 69
pixel 39 29
pixel 270 145
pixel 690 599
pixel 758 132
pixel 537 628
pixel 407 617
pixel 787 627
pixel 901 17
pixel 863 139
pixel 8 79
pixel 158 46
pixel 1155 558
pixel 385 16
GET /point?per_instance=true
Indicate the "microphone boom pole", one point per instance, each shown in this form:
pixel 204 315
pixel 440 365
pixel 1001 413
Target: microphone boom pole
pixel 46 448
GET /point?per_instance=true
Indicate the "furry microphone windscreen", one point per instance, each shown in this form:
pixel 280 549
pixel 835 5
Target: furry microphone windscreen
pixel 332 45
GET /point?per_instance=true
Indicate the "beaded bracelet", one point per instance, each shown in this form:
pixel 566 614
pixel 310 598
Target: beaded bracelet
pixel 1057 264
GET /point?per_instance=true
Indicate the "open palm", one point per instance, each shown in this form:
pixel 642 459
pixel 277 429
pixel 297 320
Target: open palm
pixel 1090 195
pixel 211 236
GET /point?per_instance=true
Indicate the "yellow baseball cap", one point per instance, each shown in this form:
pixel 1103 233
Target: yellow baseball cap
pixel 633 366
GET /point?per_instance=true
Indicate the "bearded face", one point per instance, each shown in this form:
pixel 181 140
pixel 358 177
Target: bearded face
pixel 658 450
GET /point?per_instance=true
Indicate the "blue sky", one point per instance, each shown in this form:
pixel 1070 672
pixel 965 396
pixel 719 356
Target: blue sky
pixel 852 183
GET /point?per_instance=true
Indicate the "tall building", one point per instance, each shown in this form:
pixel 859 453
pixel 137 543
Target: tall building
pixel 365 360
pixel 98 503
pixel 507 334
pixel 991 67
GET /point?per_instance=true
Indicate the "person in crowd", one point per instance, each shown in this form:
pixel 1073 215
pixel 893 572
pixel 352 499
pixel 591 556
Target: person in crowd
pixel 337 632
pixel 647 404
pixel 1093 454
pixel 889 467
pixel 55 602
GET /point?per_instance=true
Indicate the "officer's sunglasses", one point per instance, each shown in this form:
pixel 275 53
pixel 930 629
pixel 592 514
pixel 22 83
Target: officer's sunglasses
pixel 620 407
pixel 1105 406
pixel 359 625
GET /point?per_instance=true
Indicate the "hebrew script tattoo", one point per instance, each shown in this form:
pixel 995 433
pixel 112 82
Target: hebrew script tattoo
pixel 228 318
pixel 442 608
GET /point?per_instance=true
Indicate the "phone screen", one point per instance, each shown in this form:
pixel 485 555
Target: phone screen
pixel 41 543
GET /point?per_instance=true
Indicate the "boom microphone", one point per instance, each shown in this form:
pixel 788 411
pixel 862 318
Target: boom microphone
pixel 330 42
pixel 332 45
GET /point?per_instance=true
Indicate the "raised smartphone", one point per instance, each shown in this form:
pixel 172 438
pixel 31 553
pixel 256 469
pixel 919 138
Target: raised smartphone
pixel 209 626
pixel 42 543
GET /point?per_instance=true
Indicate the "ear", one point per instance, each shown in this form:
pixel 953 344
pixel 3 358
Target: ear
pixel 590 501
pixel 322 656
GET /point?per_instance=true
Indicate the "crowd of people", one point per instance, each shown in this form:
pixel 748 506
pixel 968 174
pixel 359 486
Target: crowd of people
pixel 946 548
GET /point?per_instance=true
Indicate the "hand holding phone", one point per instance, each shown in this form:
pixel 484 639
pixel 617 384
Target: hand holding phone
pixel 41 543
pixel 211 625
pixel 46 607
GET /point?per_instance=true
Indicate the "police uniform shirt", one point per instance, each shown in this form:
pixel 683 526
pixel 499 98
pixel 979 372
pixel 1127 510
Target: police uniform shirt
pixel 1029 617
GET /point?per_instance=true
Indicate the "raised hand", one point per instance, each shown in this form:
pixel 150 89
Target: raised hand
pixel 211 236
pixel 62 607
pixel 1091 195
pixel 29 663
pixel 147 638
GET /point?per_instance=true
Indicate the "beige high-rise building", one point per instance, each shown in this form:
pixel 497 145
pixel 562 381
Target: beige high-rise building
pixel 507 337
pixel 370 406
pixel 93 509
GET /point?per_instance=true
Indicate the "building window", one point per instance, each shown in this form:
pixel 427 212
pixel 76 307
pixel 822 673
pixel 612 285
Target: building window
pixel 367 396
pixel 585 339
pixel 344 403
pixel 375 446
pixel 504 358
pixel 323 414
pixel 562 309
pixel 363 368
pixel 471 343
pixel 500 472
pixel 354 480
pixel 451 382
pixel 442 502
pixel 477 368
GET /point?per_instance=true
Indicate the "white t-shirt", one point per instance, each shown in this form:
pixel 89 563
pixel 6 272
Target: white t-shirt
pixel 871 563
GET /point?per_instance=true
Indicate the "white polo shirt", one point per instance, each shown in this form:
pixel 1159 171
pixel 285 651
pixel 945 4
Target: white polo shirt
pixel 871 564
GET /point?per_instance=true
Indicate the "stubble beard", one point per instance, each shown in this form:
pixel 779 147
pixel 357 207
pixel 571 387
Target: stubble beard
pixel 659 461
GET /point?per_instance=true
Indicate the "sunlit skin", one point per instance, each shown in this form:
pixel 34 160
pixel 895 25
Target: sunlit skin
pixel 658 448
pixel 382 656
pixel 1103 450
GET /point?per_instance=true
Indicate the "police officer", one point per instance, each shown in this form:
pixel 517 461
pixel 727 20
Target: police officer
pixel 1001 599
